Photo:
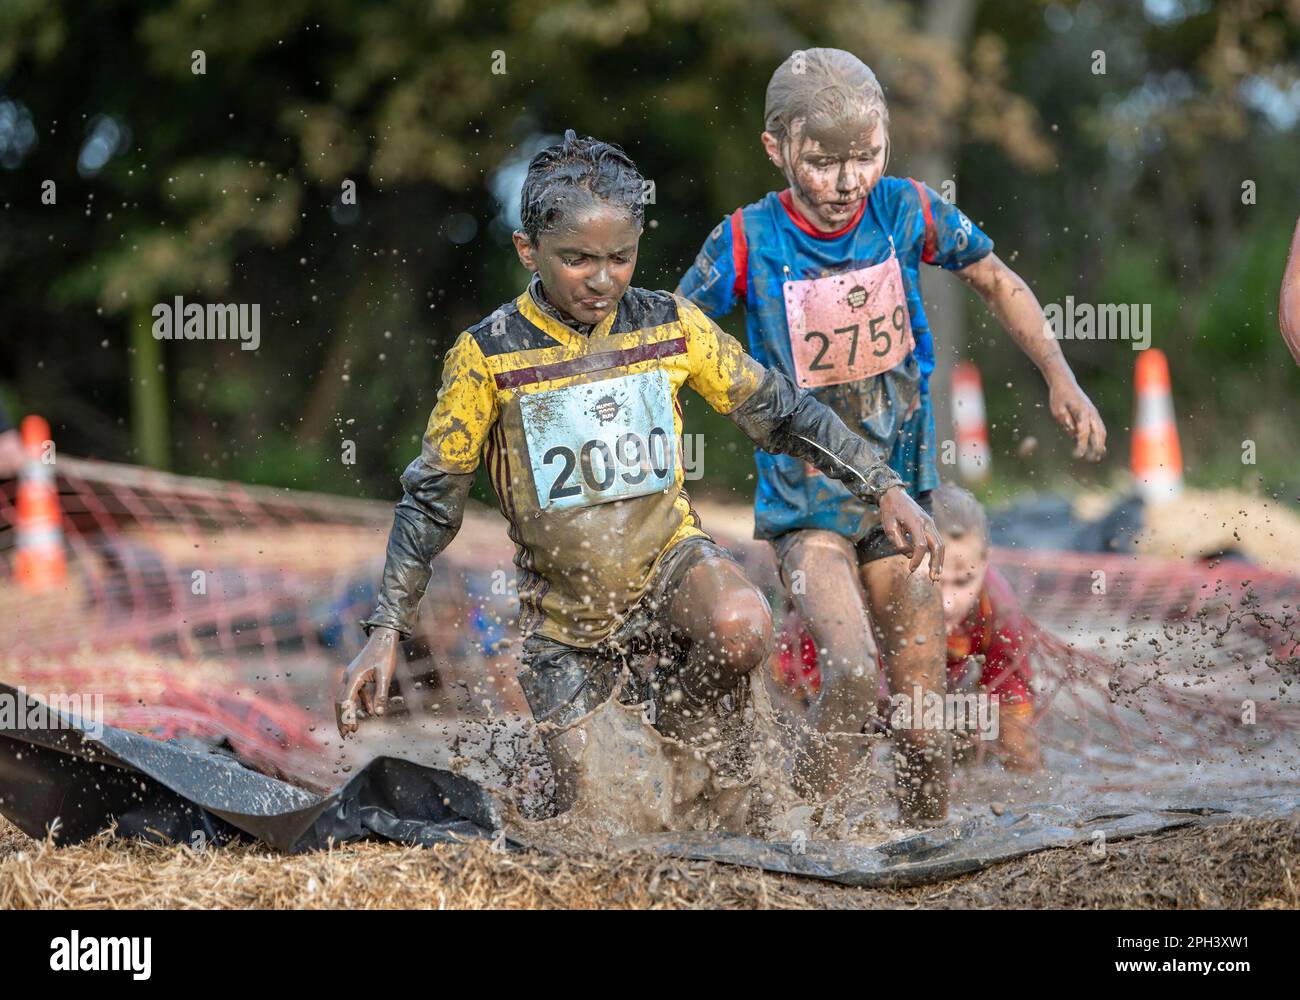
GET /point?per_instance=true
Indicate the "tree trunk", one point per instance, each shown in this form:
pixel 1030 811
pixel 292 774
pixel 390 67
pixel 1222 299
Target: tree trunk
pixel 149 417
pixel 948 24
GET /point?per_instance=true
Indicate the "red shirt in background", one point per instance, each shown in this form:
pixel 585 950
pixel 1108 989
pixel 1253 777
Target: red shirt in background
pixel 995 628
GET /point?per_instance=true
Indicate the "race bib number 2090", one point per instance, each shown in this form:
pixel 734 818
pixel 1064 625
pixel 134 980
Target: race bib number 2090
pixel 601 441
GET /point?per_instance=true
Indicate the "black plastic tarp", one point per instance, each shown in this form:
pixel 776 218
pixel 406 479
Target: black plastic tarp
pixel 55 774
pixel 64 780
pixel 962 847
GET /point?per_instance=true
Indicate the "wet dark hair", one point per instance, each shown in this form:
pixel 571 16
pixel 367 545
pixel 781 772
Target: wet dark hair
pixel 572 175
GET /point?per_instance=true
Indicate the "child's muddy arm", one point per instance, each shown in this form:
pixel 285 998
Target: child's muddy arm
pixel 784 420
pixel 434 490
pixel 1018 310
pixel 1288 307
pixel 424 523
pixel 426 520
pixel 436 485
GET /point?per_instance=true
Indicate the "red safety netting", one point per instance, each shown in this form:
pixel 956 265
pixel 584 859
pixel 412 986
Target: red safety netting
pixel 215 610
pixel 225 611
pixel 1156 661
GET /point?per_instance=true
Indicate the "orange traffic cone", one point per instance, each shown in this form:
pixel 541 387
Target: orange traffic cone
pixel 1157 458
pixel 39 562
pixel 973 457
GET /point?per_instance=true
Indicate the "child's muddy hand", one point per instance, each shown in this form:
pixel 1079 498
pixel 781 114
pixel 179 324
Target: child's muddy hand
pixel 1074 411
pixel 912 530
pixel 368 677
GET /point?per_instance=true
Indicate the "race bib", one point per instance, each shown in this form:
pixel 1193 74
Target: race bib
pixel 601 441
pixel 849 326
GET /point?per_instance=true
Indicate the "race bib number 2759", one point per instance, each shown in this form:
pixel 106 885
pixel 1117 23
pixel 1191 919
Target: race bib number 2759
pixel 601 441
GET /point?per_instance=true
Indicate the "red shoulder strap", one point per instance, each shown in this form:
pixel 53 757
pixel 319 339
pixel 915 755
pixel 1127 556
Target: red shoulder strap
pixel 931 238
pixel 740 254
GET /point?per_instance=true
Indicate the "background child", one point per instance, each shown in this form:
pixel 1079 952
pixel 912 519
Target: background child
pixel 827 271
pixel 987 633
pixel 986 630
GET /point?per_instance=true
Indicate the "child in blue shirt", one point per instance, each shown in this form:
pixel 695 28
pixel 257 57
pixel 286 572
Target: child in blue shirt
pixel 828 273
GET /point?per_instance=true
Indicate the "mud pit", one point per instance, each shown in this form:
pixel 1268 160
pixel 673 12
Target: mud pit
pixel 631 778
pixel 1157 725
pixel 639 783
pixel 1112 751
pixel 1149 723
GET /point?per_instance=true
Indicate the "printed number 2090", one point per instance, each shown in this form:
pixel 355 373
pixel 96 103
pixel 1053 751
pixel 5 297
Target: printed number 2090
pixel 632 458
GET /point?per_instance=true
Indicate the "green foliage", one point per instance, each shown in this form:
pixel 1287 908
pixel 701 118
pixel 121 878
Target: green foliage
pixel 1123 187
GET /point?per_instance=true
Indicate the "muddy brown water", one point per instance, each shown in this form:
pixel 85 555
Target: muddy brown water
pixel 1136 750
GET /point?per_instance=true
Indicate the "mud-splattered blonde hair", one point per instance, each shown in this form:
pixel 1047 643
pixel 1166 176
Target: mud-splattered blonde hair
pixel 833 92
pixel 957 513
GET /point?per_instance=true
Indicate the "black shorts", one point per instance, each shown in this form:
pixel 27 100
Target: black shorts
pixel 875 544
pixel 563 683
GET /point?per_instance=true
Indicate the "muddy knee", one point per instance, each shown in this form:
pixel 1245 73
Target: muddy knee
pixel 740 636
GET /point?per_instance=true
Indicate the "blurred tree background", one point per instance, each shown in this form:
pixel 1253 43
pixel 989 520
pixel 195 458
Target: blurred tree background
pixel 1119 186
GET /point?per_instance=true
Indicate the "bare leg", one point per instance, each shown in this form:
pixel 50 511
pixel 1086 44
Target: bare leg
pixel 727 623
pixel 908 612
pixel 820 571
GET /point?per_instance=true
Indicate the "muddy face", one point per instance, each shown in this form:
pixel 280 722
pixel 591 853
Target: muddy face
pixel 965 562
pixel 587 262
pixel 831 170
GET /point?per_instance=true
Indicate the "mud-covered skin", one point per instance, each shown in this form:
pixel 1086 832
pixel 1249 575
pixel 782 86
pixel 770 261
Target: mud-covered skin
pixel 830 178
pixel 907 610
pixel 1288 308
pixel 725 624
pixel 367 679
pixel 831 603
pixel 538 294
pixel 586 263
pixel 1013 302
pixel 826 128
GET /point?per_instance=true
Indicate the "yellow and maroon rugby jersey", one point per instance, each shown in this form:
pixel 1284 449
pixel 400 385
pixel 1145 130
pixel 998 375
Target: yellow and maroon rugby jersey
pixel 582 440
